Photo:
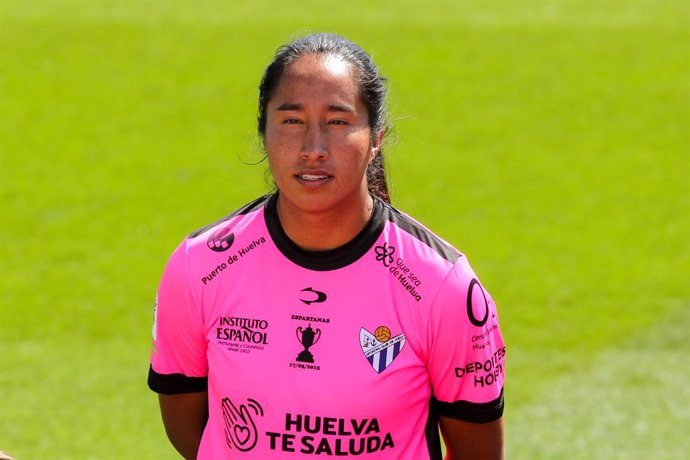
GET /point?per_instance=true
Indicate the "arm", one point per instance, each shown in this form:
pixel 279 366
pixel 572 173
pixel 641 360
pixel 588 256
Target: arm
pixel 475 441
pixel 466 366
pixel 184 417
pixel 179 367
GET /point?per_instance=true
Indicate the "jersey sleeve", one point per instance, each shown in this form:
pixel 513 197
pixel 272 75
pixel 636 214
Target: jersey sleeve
pixel 178 357
pixel 467 354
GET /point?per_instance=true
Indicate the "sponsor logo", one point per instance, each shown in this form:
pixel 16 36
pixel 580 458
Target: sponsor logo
pixel 477 304
pixel 384 253
pixel 485 373
pixel 320 296
pixel 232 259
pixel 306 434
pixel 380 348
pixel 242 335
pixel 240 428
pixel 316 435
pixel 220 240
pixel 399 269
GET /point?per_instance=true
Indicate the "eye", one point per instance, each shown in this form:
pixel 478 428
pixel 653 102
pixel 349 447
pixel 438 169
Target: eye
pixel 292 121
pixel 338 122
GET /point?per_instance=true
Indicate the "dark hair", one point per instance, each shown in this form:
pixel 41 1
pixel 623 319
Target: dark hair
pixel 372 85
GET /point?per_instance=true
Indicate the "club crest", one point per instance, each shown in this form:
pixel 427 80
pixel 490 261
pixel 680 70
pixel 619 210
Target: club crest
pixel 380 348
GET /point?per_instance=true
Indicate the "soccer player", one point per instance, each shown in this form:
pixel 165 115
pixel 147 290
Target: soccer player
pixel 318 320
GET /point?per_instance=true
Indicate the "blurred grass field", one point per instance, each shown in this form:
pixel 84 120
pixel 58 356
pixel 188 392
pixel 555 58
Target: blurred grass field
pixel 549 140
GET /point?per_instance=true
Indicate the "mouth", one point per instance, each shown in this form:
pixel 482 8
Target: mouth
pixel 313 177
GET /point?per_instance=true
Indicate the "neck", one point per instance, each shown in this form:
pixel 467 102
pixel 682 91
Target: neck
pixel 326 229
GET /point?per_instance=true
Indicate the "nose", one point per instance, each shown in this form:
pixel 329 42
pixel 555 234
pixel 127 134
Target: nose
pixel 314 143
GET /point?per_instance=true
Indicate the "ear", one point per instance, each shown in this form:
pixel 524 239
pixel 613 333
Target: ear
pixel 377 142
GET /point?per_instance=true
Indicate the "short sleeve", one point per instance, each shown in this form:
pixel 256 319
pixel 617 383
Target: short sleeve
pixel 466 359
pixel 178 357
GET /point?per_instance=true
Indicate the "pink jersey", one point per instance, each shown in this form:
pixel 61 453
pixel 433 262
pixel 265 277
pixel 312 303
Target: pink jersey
pixel 351 352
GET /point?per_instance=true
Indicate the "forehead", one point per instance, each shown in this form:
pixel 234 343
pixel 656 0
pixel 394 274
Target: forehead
pixel 317 77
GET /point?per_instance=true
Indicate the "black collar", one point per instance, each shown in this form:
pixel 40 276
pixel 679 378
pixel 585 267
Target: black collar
pixel 331 259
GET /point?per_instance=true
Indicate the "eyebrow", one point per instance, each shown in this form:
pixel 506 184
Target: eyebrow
pixel 294 106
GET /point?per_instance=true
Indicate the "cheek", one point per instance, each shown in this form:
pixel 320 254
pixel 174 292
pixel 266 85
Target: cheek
pixel 274 155
pixel 280 141
pixel 276 163
pixel 358 141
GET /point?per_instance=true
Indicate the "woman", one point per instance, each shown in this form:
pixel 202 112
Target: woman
pixel 319 320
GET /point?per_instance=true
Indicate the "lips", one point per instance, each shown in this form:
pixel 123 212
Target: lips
pixel 313 175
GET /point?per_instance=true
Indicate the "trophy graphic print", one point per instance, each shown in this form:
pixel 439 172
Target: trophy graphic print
pixel 307 337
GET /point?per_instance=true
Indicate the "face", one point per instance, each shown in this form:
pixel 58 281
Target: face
pixel 317 137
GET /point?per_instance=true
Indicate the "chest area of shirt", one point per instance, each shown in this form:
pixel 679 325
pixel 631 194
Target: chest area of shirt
pixel 318 327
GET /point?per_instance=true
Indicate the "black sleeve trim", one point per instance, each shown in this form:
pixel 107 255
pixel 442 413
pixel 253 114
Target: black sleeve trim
pixel 172 384
pixel 469 411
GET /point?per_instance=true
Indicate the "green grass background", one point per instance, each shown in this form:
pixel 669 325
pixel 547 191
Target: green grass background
pixel 547 139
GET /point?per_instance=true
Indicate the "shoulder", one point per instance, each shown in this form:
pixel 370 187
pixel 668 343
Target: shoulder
pixel 209 244
pixel 430 259
pixel 247 209
pixel 414 233
pixel 420 260
pixel 219 235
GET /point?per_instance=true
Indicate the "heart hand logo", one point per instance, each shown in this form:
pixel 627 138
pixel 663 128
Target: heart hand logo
pixel 240 428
